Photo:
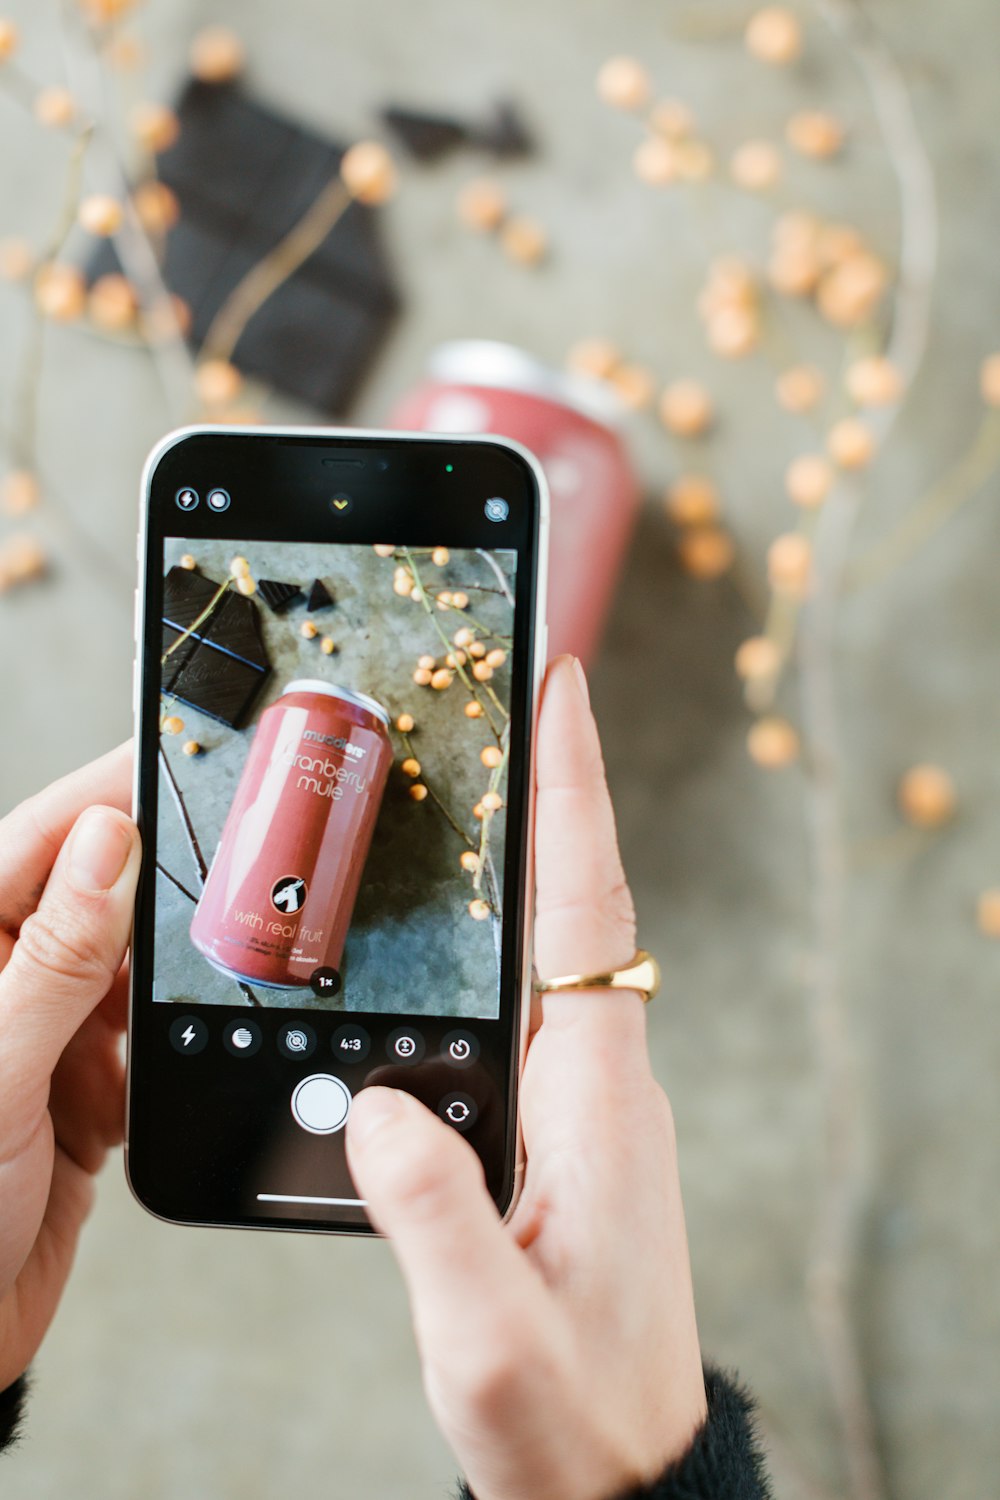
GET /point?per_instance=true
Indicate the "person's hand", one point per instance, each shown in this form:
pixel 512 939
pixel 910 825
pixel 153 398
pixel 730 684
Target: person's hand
pixel 68 869
pixel 560 1354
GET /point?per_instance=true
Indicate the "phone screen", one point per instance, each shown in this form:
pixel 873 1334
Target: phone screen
pixel 338 655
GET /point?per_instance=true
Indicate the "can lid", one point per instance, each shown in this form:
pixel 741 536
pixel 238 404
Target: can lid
pixel 334 690
pixel 505 367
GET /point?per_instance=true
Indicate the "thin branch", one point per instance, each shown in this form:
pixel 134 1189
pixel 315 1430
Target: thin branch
pixel 174 881
pixel 832 1264
pixel 964 480
pixel 182 813
pixel 272 270
pixel 501 576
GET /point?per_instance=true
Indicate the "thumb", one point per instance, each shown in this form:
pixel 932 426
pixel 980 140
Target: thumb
pixel 66 956
pixel 425 1190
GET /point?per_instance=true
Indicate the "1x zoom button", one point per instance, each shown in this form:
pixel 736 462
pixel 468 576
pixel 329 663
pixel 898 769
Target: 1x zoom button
pixel 321 1103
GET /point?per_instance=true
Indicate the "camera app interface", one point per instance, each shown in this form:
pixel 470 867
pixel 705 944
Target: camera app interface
pixel 334 724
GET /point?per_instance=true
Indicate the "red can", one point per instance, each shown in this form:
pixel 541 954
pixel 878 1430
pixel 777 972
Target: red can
pixel 570 424
pixel 281 889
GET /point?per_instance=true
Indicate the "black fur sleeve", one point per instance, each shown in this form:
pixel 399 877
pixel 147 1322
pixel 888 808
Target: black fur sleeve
pixel 725 1461
pixel 11 1409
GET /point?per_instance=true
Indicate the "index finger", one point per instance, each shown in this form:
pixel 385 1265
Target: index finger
pixel 34 832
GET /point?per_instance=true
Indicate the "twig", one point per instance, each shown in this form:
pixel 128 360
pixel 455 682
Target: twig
pixel 964 480
pixel 427 601
pixel 831 1268
pixel 174 881
pixel 273 269
pixel 24 427
pixel 184 816
pixel 408 747
pixel 501 576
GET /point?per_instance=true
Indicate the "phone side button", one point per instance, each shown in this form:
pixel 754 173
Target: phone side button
pixel 321 1104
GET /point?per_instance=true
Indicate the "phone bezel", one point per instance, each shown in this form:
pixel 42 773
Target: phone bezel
pixel 340 436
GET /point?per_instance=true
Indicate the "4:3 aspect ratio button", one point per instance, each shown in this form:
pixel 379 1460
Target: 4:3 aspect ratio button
pixel 242 1038
pixel 404 1045
pixel 296 1040
pixel 351 1043
pixel 188 1034
pixel 459 1110
pixel 460 1048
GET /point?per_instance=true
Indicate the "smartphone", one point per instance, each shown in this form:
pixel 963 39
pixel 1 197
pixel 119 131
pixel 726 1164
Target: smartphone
pixel 340 642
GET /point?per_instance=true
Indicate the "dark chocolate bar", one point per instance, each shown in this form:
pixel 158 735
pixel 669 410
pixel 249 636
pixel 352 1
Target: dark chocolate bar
pixel 244 177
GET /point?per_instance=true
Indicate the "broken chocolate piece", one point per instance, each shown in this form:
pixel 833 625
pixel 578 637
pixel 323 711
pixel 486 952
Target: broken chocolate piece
pixel 505 135
pixel 222 663
pixel 425 136
pixel 319 596
pixel 279 596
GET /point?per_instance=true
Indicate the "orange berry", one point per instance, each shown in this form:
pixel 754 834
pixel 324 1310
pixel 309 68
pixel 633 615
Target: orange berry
pixel 406 723
pixel 156 206
pixel 60 292
pixel 773 743
pixel 656 161
pixel 692 500
pixel 808 480
pixel 672 118
pixel 989 380
pixel 172 724
pixel 756 166
pixel 473 710
pixel 155 127
pixel 492 801
pixel 705 552
pixel 799 388
pixel 813 132
pixel 417 791
pixel 850 443
pixel 773 35
pixel 54 107
pixel 217 382
pixel 479 909
pixel 789 564
pixel 757 658
pixel 623 83
pixel 988 912
pixel 441 679
pixel 686 408
pixel 216 55
pixel 926 796
pixel 597 358
pixel 491 756
pixel 524 241
pixel 481 205
pixel 100 214
pixel 112 303
pixel 874 381
pixel 368 172
pixel 410 766
pixel 469 860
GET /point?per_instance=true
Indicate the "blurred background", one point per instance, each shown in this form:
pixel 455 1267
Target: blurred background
pixel 766 240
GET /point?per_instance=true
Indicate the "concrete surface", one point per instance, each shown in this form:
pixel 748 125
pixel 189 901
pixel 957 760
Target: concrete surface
pixel 187 1363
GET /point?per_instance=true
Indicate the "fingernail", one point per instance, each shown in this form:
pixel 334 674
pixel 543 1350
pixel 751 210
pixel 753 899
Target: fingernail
pixel 99 847
pixel 581 678
pixel 372 1109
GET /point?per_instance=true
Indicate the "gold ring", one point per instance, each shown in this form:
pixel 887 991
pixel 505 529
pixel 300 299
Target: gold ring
pixel 642 973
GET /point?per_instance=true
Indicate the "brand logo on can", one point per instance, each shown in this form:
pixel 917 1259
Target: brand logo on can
pixel 336 741
pixel 288 894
